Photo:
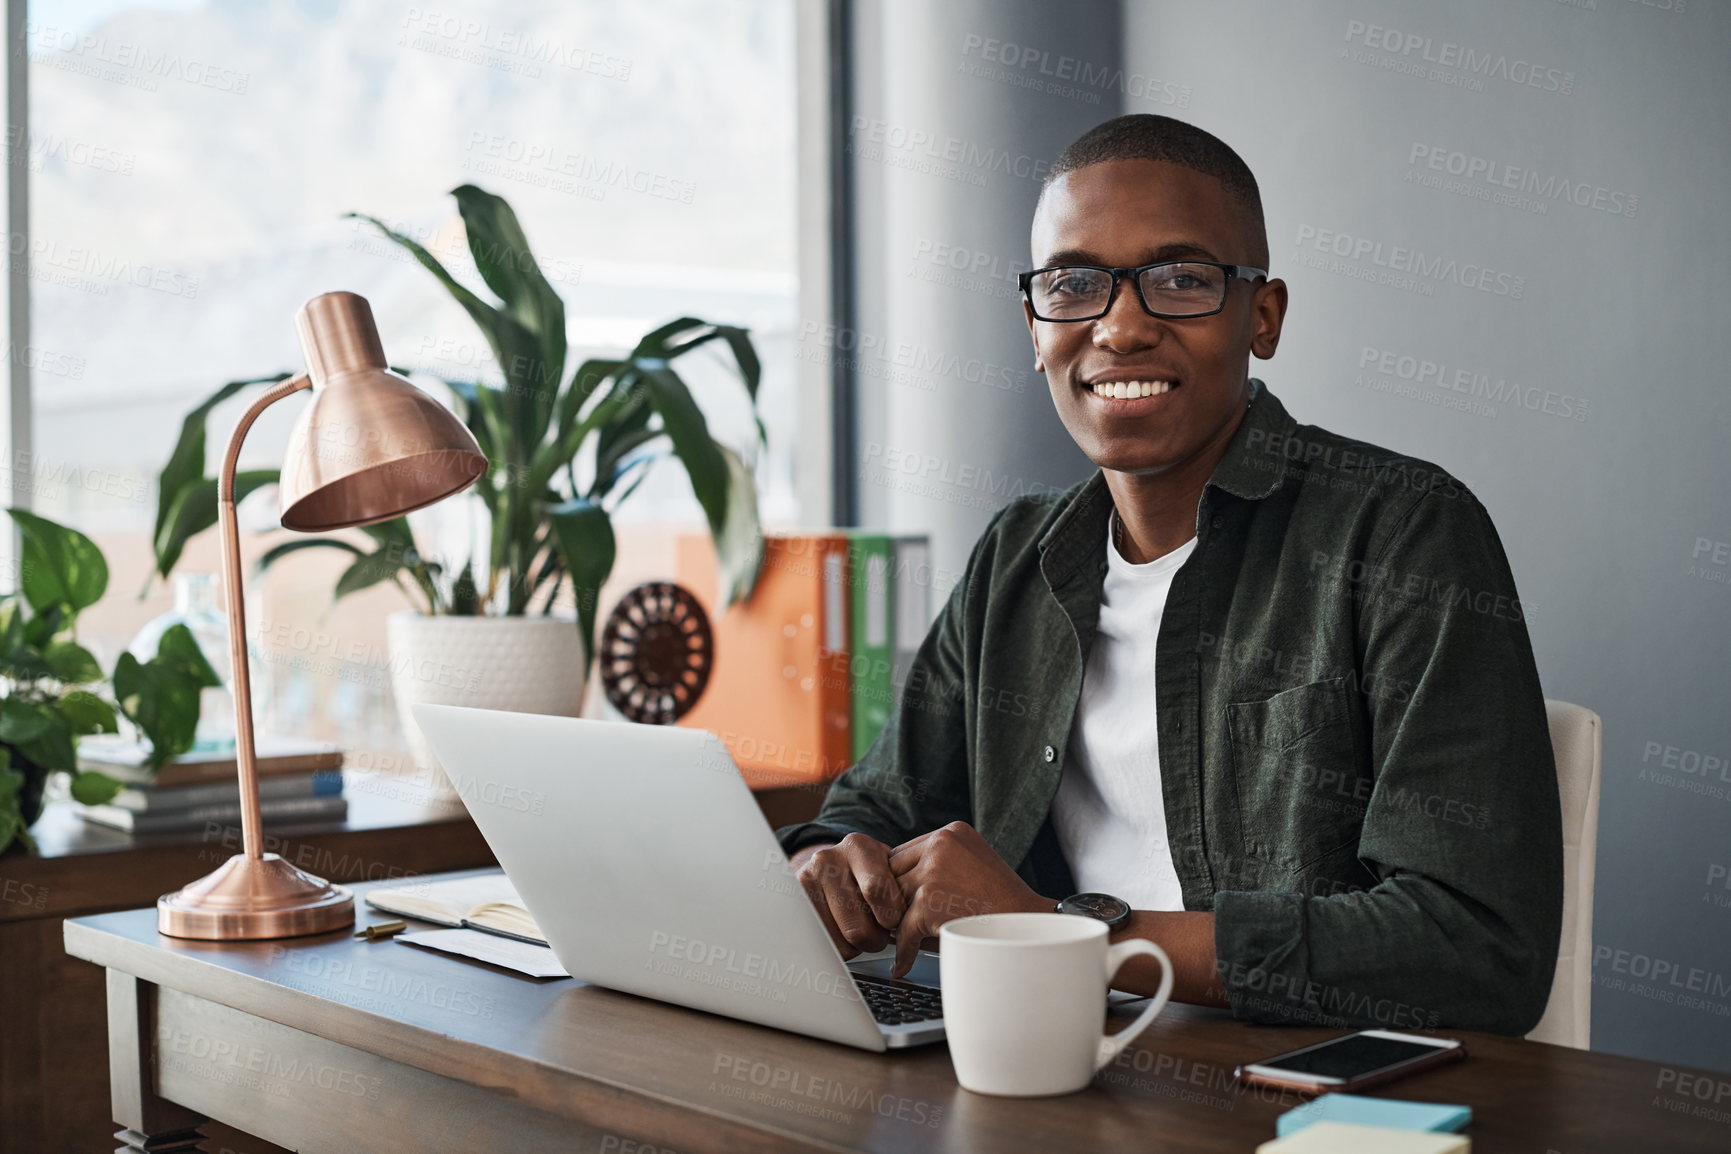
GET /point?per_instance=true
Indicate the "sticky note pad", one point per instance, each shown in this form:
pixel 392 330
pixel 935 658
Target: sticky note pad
pixel 1390 1112
pixel 1347 1138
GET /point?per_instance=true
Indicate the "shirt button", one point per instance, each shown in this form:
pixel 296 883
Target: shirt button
pixel 1217 521
pixel 1051 754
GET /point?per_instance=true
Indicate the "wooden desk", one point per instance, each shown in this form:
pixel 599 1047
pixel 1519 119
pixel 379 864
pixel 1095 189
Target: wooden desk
pixel 53 1028
pixel 337 1044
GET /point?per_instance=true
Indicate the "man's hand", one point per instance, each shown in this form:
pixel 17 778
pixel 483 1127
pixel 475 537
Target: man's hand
pixel 952 873
pixel 850 884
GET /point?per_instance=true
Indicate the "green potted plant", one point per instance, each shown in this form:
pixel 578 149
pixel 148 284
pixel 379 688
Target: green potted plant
pixel 486 633
pixel 50 682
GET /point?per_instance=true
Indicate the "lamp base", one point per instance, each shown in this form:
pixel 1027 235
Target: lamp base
pixel 250 899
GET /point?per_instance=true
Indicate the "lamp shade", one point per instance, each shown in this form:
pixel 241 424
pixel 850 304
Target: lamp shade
pixel 370 446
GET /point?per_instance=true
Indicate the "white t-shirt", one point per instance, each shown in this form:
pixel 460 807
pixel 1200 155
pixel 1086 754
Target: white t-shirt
pixel 1110 814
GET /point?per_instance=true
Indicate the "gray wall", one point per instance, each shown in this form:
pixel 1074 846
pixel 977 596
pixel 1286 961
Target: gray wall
pixel 954 422
pixel 1600 444
pixel 1580 391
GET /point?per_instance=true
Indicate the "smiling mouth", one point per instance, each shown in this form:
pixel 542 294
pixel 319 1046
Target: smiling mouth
pixel 1130 390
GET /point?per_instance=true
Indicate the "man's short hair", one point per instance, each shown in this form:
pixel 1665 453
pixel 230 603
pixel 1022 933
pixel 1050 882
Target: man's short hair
pixel 1145 136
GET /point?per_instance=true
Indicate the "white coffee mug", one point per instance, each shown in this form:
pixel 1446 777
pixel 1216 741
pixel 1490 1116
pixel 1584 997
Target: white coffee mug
pixel 1025 997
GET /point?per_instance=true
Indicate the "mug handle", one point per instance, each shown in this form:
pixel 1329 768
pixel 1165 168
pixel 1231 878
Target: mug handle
pixel 1112 1045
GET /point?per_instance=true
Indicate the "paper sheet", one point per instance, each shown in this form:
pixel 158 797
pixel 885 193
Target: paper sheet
pixel 536 961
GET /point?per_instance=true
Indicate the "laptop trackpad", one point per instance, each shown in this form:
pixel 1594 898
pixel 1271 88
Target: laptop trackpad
pixel 879 965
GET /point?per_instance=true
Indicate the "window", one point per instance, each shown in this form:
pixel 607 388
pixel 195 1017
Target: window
pixel 190 165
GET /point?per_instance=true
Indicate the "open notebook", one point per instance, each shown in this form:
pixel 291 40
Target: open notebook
pixel 488 902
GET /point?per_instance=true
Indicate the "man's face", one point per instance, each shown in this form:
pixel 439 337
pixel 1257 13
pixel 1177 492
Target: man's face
pixel 1121 214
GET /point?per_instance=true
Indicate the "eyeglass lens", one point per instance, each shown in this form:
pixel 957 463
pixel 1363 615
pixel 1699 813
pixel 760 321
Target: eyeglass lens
pixel 1078 292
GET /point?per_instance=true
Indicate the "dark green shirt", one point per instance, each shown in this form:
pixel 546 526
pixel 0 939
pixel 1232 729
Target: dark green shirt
pixel 1353 750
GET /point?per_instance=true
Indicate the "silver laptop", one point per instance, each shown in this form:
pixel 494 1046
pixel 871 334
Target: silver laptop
pixel 642 855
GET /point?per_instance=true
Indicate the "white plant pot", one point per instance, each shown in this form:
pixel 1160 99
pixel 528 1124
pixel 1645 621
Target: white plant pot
pixel 521 664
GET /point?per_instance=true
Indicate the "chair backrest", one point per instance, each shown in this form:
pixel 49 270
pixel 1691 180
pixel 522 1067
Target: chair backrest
pixel 1576 739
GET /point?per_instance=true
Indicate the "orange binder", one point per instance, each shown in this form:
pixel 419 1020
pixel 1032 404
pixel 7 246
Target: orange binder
pixel 778 693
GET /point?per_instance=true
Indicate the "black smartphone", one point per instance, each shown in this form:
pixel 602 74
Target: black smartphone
pixel 1353 1062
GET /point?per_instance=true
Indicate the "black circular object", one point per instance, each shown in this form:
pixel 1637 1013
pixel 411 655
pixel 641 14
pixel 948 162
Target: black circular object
pixel 1103 907
pixel 656 653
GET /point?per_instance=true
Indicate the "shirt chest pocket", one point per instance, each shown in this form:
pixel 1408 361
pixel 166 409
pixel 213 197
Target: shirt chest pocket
pixel 1301 788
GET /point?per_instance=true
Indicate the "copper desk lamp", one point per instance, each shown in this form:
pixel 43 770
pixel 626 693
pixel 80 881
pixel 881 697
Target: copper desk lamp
pixel 370 446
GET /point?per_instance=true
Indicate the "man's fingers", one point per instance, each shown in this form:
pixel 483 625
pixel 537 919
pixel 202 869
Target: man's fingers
pixel 956 837
pixel 854 917
pixel 820 902
pixel 876 884
pixel 854 891
pixel 884 896
pixel 911 848
pixel 908 938
pixel 904 858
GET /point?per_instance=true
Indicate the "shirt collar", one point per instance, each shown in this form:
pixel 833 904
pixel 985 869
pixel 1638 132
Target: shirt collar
pixel 1253 468
pixel 1255 461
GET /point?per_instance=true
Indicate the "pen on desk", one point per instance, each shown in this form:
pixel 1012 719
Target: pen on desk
pixel 381 931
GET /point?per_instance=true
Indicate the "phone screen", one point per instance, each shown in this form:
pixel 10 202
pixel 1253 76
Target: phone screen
pixel 1350 1057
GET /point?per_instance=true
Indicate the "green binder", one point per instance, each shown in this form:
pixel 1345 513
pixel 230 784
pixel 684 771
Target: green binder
pixel 871 666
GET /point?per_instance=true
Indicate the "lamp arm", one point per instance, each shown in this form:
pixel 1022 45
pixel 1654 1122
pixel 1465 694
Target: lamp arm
pixel 246 754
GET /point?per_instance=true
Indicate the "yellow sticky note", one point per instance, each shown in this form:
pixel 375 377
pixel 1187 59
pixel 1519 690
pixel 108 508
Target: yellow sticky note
pixel 1348 1138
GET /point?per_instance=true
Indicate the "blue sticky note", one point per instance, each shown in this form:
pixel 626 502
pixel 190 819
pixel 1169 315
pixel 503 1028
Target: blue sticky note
pixel 1390 1112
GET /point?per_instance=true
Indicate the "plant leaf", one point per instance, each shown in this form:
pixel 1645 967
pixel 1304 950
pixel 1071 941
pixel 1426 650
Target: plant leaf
pixel 683 421
pixel 655 343
pixel 38 732
pixel 12 827
pixel 739 341
pixel 84 712
pixel 465 598
pixel 739 545
pixel 58 565
pixel 11 626
pixel 22 721
pixel 194 510
pixel 640 464
pixel 583 534
pixel 42 628
pixel 745 355
pixel 481 416
pixel 516 348
pixel 395 553
pixel 611 462
pixel 366 572
pixel 186 465
pixel 501 252
pixel 482 313
pixel 92 788
pixel 71 662
pixel 590 375
pixel 161 698
pixel 179 648
pixel 555 454
pixel 277 552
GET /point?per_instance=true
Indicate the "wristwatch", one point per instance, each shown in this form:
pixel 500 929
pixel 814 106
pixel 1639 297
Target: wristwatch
pixel 1102 907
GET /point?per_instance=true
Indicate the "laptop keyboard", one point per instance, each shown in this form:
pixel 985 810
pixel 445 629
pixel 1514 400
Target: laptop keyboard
pixel 898 1004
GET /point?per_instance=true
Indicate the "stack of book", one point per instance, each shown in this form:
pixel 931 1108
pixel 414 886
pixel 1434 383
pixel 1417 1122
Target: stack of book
pixel 299 781
pixel 808 671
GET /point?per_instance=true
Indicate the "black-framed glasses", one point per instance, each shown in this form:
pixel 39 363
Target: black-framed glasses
pixel 1171 289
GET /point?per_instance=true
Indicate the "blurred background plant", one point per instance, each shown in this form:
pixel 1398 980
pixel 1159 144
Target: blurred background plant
pixel 52 686
pixel 609 420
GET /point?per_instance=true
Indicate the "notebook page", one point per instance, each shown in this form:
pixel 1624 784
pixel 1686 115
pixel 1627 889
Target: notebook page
pixel 446 903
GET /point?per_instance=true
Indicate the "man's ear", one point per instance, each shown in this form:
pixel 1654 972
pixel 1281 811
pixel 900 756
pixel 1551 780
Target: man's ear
pixel 1028 315
pixel 1268 312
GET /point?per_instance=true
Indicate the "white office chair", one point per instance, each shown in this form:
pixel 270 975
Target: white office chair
pixel 1576 739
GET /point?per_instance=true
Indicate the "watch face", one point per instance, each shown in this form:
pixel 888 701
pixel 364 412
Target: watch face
pixel 1105 907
